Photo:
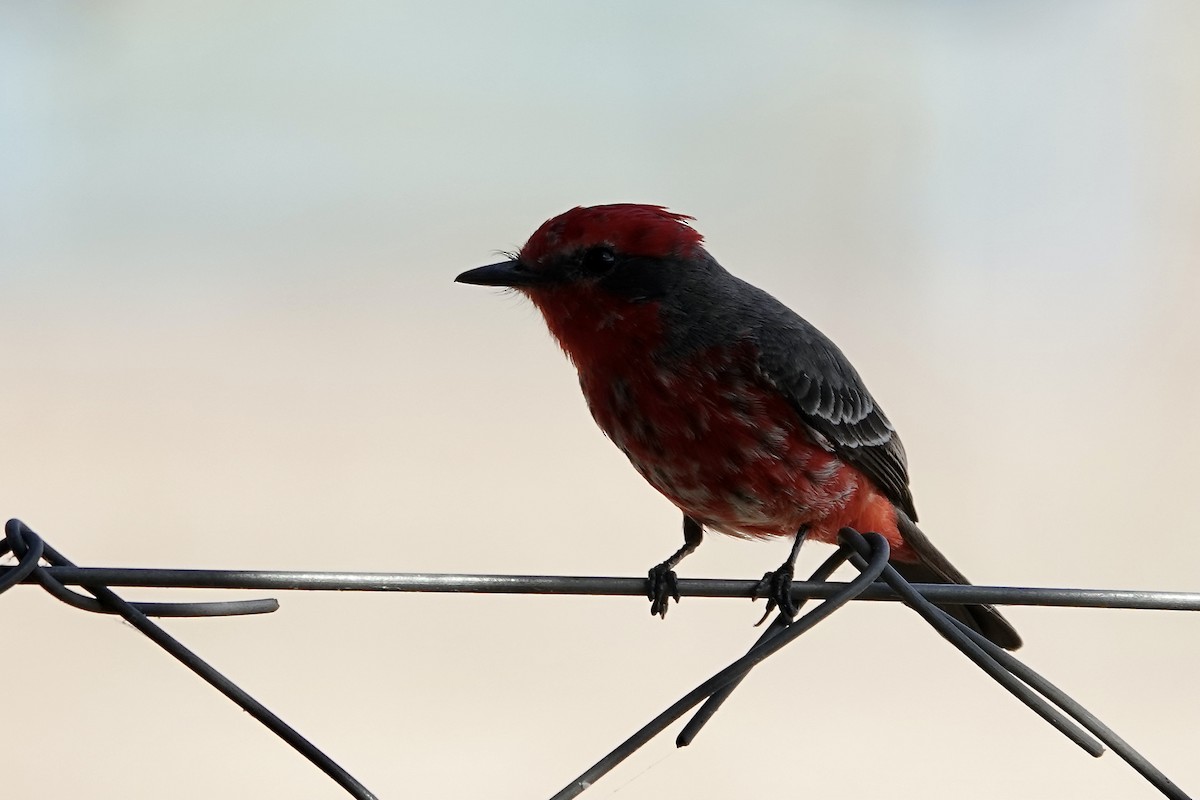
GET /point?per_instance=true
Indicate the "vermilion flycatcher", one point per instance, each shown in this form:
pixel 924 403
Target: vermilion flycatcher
pixel 740 412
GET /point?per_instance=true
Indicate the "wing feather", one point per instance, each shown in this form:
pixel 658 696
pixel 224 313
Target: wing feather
pixel 822 385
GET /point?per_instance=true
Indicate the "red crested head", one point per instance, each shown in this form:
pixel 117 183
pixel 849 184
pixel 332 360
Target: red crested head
pixel 600 276
pixel 631 229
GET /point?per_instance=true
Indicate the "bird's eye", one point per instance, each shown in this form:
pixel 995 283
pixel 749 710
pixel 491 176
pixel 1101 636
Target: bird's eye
pixel 598 260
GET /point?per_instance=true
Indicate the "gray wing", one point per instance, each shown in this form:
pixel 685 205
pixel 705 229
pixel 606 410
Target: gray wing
pixel 822 385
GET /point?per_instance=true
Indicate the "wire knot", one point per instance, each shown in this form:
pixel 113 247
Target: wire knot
pixel 31 550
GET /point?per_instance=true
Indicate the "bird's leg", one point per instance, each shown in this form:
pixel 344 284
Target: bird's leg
pixel 662 584
pixel 777 586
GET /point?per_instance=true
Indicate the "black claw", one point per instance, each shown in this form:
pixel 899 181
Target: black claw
pixel 661 585
pixel 777 588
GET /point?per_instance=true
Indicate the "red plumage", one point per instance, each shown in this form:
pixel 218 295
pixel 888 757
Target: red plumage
pixel 728 450
pixel 737 410
pixel 630 228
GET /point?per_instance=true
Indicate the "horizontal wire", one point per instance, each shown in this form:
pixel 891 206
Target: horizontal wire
pixel 1026 684
pixel 611 586
pixel 738 669
pixel 30 547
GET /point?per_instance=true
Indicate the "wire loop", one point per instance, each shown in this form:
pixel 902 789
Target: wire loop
pixel 30 549
pixel 869 553
pixel 866 552
pixel 25 543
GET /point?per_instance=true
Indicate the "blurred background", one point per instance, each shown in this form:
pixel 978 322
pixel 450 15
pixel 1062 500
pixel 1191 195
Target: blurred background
pixel 230 338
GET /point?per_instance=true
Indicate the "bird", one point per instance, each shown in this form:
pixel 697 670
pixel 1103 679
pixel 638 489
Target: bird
pixel 739 411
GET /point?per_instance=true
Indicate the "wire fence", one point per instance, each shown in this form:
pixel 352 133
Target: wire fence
pixel 39 563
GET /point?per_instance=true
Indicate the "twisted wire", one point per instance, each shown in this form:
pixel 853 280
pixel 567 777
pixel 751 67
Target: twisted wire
pixel 868 553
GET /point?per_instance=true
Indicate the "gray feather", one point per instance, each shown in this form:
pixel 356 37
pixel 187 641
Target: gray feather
pixel 795 358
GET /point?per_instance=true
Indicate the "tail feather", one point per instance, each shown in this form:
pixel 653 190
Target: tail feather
pixel 934 567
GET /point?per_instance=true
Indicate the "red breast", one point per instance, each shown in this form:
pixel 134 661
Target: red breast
pixel 728 450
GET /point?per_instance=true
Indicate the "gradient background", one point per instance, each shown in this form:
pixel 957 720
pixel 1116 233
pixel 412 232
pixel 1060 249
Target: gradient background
pixel 230 339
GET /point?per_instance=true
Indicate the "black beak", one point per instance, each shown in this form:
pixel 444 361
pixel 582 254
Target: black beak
pixel 506 273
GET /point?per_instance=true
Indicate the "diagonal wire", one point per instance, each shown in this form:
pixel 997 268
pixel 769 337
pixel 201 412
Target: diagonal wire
pixel 940 622
pixel 879 550
pixel 1026 684
pixel 23 541
pixel 1088 720
pixel 27 570
pixel 777 626
pixel 1018 678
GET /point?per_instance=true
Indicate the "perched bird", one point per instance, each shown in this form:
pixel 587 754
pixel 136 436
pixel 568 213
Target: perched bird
pixel 740 412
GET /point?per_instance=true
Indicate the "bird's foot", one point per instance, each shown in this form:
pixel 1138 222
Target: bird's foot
pixel 661 585
pixel 777 588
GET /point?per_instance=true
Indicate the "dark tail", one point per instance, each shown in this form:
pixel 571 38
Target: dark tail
pixel 936 568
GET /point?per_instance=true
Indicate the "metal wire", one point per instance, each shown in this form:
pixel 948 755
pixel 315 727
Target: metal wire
pixel 1017 677
pixel 868 553
pixel 777 626
pixel 879 550
pixel 27 571
pixel 24 543
pixel 944 624
pixel 1027 685
pixel 600 586
pixel 1085 717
